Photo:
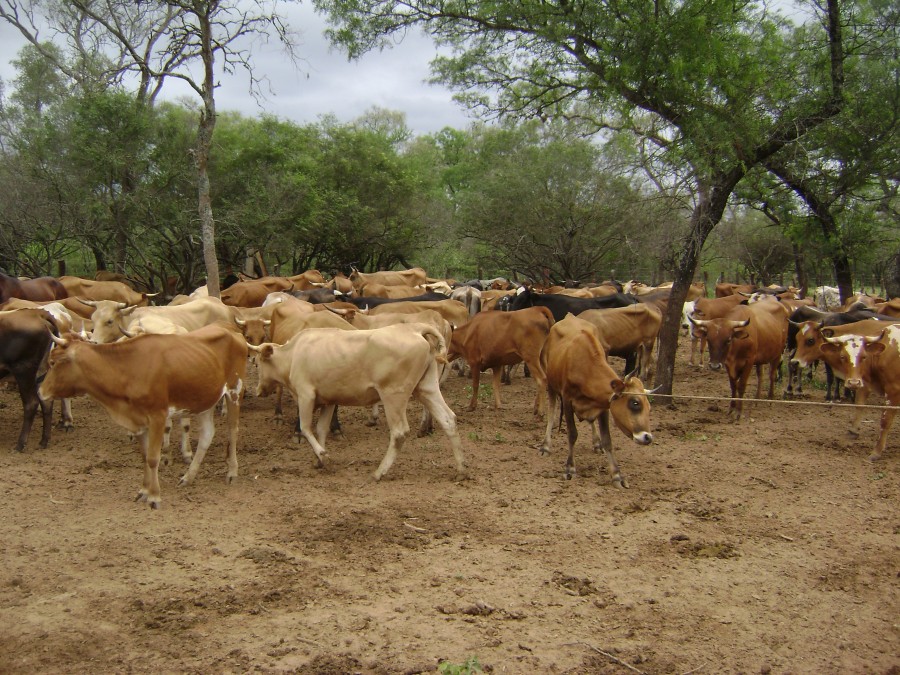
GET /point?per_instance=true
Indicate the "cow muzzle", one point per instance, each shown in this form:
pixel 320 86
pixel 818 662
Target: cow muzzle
pixel 854 383
pixel 715 365
pixel 643 438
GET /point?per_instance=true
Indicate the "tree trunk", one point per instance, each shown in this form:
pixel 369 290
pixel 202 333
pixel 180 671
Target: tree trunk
pixel 892 277
pixel 204 143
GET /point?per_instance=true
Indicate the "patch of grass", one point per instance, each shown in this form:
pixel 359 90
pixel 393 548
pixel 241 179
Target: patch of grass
pixel 469 666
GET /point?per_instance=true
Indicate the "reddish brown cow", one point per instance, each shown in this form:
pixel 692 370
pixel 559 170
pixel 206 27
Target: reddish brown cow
pixel 579 376
pixel 140 381
pixel 889 308
pixel 496 339
pixel 747 337
pixel 253 293
pixel 42 288
pixel 875 364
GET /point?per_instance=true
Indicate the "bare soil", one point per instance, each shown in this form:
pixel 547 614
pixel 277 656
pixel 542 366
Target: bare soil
pixel 770 545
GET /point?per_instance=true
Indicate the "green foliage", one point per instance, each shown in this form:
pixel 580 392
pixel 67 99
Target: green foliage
pixel 468 667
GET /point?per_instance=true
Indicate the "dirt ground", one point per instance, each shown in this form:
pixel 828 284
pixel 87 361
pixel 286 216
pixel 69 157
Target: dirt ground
pixel 765 546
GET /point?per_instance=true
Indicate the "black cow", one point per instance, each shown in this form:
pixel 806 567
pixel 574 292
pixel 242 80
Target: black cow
pixel 24 345
pixel 560 305
pixel 319 296
pixel 370 302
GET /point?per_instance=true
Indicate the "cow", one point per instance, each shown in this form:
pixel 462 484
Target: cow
pixel 747 337
pixel 329 367
pixel 113 319
pixel 469 296
pixel 253 293
pixel 116 291
pixel 811 338
pixel 627 332
pixel 453 311
pixel 890 308
pixel 724 289
pixel 411 277
pixel 873 363
pixel 496 339
pixel 560 305
pixel 42 288
pixel 24 345
pixel 307 280
pixel 373 290
pixel 581 380
pixel 140 381
pixel 710 308
pixel 823 319
pixel 370 301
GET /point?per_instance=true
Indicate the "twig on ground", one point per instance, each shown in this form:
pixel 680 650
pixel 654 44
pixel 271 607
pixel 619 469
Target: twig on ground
pixel 420 530
pixel 611 657
pixel 764 481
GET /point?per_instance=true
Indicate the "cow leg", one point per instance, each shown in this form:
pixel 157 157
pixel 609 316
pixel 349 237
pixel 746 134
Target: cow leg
pixel 66 421
pixel 495 385
pixel 166 457
pixel 476 381
pixel 887 420
pixel 305 411
pixel 186 454
pixel 335 429
pixel 151 445
pixel 858 412
pixel 428 391
pixel 759 380
pixel 774 370
pixel 603 440
pixel 507 375
pixel 395 414
pixel 207 425
pixel 373 418
pixel 323 426
pixel 540 383
pixel 572 432
pixel 743 376
pixel 630 362
pixel 47 418
pixel 552 412
pixel 28 393
pixel 829 382
pixel 702 348
pixel 279 411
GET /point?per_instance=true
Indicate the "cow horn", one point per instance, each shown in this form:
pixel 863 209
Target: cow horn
pixel 254 348
pixel 867 341
pixel 339 312
pixel 739 324
pixel 151 295
pixel 62 342
pixel 240 322
pixel 126 333
pixel 92 303
pixel 652 391
pixel 267 322
pixel 698 322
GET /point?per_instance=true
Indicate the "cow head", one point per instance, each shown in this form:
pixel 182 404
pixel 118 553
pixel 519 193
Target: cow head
pixel 810 339
pixel 853 352
pixel 254 330
pixel 630 409
pixel 720 334
pixel 109 318
pixel 269 377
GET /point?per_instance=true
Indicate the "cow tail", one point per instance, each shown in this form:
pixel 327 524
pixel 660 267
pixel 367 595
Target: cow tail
pixel 437 342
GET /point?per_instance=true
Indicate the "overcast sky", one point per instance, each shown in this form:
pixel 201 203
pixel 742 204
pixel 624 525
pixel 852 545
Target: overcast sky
pixel 326 82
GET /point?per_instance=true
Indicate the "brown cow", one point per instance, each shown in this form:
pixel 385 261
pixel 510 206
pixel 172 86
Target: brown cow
pixel 496 339
pixel 42 288
pixel 140 381
pixel 748 336
pixel 452 310
pixel 889 308
pixel 579 376
pixel 874 364
pixel 253 293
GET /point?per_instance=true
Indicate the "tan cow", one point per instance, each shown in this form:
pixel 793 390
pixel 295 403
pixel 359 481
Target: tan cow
pixel 373 290
pixel 627 332
pixel 411 277
pixel 140 381
pixel 360 368
pixel 253 293
pixel 115 291
pixel 579 378
pixel 452 310
pixel 496 339
pixel 112 320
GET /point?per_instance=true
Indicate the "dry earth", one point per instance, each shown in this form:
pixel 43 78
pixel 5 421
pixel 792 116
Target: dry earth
pixel 766 546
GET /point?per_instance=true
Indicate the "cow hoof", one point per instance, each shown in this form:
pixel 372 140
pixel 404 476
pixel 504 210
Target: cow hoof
pixel 371 423
pixel 621 483
pixel 230 478
pixel 460 477
pixel 543 450
pixel 852 434
pixel 141 496
pixel 470 408
pixel 184 481
pixel 874 457
pixel 154 504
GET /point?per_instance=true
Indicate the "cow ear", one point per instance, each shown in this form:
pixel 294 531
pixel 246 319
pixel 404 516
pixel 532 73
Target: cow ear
pixel 618 386
pixel 830 348
pixel 874 348
pixel 741 334
pixel 826 332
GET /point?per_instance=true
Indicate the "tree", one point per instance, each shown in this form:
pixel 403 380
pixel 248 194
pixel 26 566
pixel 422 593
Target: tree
pixel 155 41
pixel 724 86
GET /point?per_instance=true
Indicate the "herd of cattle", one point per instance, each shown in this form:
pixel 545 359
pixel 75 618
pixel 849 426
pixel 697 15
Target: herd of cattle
pixel 380 339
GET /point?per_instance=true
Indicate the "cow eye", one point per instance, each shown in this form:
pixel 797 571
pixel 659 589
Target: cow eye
pixel 634 404
pixel 810 342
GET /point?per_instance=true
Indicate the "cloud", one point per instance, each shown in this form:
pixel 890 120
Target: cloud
pixel 325 83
